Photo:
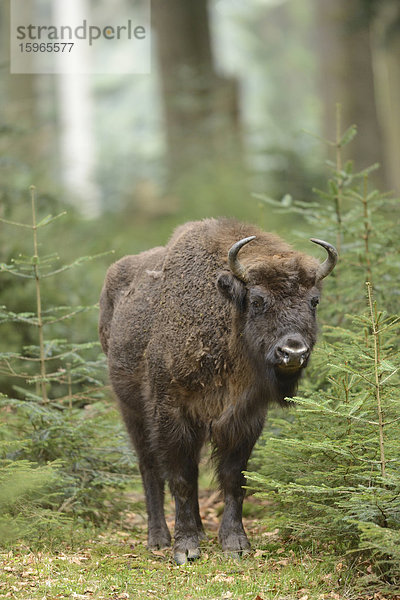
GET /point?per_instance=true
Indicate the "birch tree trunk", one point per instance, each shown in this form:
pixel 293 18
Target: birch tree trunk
pixel 75 108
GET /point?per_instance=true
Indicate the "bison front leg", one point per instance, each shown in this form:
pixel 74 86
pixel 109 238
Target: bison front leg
pixel 233 440
pixel 186 545
pixel 230 465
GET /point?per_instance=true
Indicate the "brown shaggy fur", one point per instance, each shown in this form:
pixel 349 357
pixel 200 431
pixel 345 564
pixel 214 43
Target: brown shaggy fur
pixel 191 355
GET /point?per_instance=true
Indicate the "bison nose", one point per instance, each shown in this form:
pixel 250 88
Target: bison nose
pixel 291 353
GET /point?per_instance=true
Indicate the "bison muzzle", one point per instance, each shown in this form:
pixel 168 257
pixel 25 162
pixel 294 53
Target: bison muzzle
pixel 201 336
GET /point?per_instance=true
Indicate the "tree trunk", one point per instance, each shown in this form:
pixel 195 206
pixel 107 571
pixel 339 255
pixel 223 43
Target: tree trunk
pixel 200 108
pixel 18 96
pixel 346 77
pixel 75 110
pixel 386 61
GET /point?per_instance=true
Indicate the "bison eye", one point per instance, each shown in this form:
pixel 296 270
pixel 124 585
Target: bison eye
pixel 258 303
pixel 314 301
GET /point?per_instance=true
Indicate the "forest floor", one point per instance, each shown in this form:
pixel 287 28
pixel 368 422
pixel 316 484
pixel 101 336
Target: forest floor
pixel 116 564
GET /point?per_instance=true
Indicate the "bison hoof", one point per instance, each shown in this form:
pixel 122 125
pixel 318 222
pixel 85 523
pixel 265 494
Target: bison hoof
pixel 158 540
pixel 235 544
pixel 181 557
pixel 186 549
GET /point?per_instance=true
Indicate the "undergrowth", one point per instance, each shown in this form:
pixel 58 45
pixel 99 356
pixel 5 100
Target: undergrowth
pixel 64 456
pixel 331 466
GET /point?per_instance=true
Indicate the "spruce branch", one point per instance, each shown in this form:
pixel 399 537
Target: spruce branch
pixel 36 271
pixel 375 333
pixel 367 230
pixel 76 263
pixel 15 223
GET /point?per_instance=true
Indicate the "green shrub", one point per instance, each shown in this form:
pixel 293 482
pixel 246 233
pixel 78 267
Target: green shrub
pixel 65 455
pixel 331 465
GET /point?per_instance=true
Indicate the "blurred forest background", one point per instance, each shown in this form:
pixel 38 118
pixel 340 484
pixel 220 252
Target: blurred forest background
pixel 223 115
pixel 233 87
pixel 239 101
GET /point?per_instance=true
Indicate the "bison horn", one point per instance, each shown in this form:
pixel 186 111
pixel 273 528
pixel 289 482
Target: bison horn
pixel 235 266
pixel 329 264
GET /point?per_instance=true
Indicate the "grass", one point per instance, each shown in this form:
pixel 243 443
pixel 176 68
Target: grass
pixel 115 564
pixel 118 566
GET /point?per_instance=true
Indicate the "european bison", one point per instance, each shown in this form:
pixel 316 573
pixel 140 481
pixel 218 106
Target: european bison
pixel 199 343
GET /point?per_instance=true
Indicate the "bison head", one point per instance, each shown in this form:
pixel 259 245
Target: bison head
pixel 275 300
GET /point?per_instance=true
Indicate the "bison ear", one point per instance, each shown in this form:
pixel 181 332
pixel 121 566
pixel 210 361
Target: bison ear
pixel 232 289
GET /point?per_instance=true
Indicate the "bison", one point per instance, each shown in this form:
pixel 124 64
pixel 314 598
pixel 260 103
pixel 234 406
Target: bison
pixel 199 344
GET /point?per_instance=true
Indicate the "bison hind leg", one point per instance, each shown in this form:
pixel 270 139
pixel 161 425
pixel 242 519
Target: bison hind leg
pixel 158 535
pixel 133 413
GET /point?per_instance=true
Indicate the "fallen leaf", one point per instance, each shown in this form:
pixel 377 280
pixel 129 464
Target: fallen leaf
pixel 28 572
pixel 273 533
pixel 158 553
pixel 227 579
pixel 284 562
